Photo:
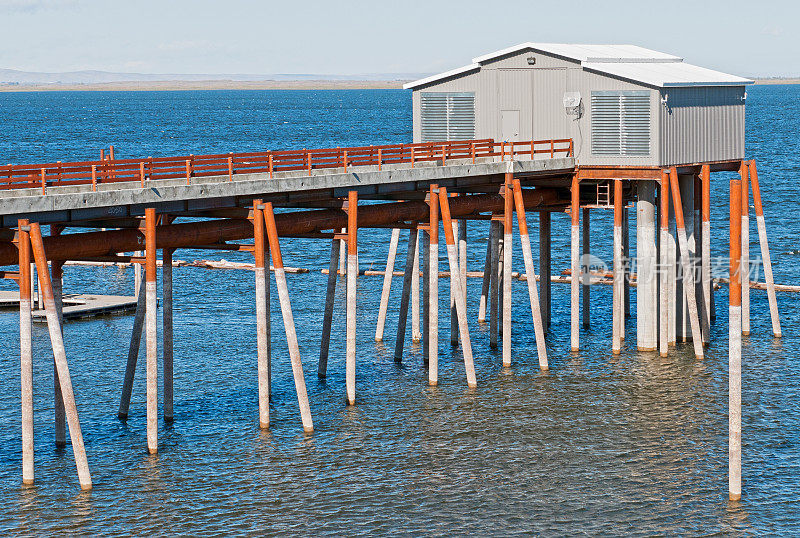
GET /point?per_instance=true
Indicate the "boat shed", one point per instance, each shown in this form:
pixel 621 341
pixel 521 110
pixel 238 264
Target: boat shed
pixel 623 105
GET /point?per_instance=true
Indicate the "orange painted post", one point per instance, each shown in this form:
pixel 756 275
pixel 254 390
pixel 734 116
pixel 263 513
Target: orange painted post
pixel 151 332
pixel 60 357
pixel 188 171
pixel 502 151
pixel 458 288
pixel 530 276
pixel 262 314
pixel 552 148
pixel 472 151
pixel 380 159
pixel 765 256
pixel 617 299
pixel 270 165
pixel 308 161
pixel 111 153
pixel 663 273
pixel 288 319
pixel 26 349
pixel 102 154
pixel 141 173
pixel 94 177
pixel 533 150
pixel 352 280
pixel 433 287
pixel 575 264
pixel 44 181
pixel 508 215
pixel 413 154
pixel 686 263
pixel 230 168
pixel 443 154
pixel 735 345
pixel 345 161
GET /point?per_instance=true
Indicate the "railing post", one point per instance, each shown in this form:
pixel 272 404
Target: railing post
pixel 270 165
pixel 533 150
pixel 43 181
pixel 188 171
pixel 571 150
pixel 308 162
pixel 230 168
pixel 502 151
pixel 94 178
pixel 472 151
pixel 141 172
pixel 380 159
pixel 552 148
pixel 345 161
pixel 413 155
pixel 443 154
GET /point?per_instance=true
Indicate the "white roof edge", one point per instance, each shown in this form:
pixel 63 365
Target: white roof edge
pixel 581 52
pixel 632 60
pixel 746 82
pixel 440 76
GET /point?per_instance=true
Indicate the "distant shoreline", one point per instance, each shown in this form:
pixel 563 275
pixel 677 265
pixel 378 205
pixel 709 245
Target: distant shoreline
pixel 177 85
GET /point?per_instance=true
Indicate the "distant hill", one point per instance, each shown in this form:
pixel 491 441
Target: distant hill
pixel 13 77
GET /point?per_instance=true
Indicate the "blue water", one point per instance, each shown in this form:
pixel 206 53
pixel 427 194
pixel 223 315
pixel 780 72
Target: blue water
pixel 602 444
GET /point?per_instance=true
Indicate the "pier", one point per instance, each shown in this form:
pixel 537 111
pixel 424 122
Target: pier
pixel 641 163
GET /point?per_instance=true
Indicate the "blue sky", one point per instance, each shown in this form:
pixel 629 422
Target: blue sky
pixel 309 36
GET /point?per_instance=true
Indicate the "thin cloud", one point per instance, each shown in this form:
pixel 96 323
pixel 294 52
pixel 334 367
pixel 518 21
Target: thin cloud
pixel 34 6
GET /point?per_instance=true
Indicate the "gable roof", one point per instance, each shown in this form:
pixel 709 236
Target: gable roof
pixel 629 62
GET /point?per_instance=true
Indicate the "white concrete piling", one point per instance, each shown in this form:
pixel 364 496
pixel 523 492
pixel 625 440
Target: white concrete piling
pixel 575 265
pixel 387 284
pixel 735 346
pixel 288 319
pixel 765 256
pixel 60 418
pixel 133 350
pixel 530 276
pixel 686 263
pixel 617 299
pixel 60 354
pixel 665 288
pixel 26 350
pixel 507 251
pixel 544 268
pixel 416 331
pixel 151 331
pixel 487 276
pixel 262 312
pixel 411 255
pixel 453 311
pixel 586 277
pixel 457 284
pixel 167 338
pixel 352 282
pixel 646 268
pixel 433 288
pixel 494 285
pixel 327 320
pixel 705 251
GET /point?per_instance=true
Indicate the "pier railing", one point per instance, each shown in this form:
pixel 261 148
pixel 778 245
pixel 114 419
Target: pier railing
pixel 270 162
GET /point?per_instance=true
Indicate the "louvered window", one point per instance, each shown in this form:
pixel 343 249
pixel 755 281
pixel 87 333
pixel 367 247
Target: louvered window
pixel 447 116
pixel 621 123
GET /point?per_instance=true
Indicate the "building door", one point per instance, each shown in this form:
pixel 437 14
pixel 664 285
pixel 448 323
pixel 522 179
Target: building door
pixel 509 125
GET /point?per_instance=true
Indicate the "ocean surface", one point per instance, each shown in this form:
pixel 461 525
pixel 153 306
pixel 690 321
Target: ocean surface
pixel 601 444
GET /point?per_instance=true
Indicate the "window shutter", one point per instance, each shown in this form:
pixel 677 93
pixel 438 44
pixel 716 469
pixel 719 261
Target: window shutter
pixel 621 123
pixel 447 116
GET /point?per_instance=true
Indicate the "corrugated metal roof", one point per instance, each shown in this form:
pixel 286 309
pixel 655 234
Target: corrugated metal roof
pixel 630 62
pixel 587 53
pixel 667 74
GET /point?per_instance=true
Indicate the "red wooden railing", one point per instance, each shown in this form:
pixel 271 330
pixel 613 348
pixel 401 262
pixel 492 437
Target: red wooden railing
pixel 230 164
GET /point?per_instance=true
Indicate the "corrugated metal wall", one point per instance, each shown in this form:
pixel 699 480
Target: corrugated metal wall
pixel 702 124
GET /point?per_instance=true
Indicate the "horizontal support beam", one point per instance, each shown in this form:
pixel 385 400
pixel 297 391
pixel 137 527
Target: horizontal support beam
pixel 190 234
